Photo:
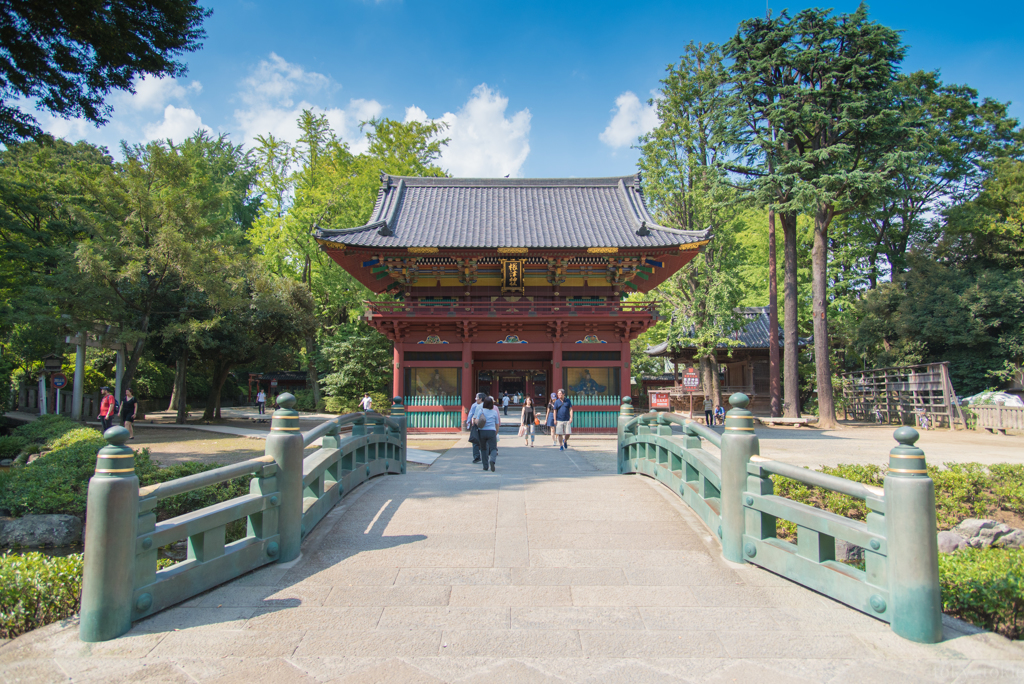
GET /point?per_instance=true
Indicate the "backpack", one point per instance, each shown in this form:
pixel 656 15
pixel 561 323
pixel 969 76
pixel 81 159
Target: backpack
pixel 481 421
pixel 117 407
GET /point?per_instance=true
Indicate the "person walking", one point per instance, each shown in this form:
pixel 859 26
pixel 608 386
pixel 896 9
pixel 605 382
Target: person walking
pixel 549 422
pixel 367 403
pixel 474 436
pixel 261 401
pixel 128 410
pixel 563 418
pixel 709 411
pixel 489 421
pixel 107 409
pixel 504 404
pixel 526 422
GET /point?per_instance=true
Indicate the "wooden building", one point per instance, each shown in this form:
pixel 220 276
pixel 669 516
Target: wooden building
pixel 742 368
pixel 510 285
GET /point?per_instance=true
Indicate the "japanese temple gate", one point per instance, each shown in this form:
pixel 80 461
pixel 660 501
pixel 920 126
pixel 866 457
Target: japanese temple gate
pixel 510 285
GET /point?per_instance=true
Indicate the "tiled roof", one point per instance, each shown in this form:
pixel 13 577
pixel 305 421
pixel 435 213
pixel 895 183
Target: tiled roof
pixel 511 212
pixel 753 335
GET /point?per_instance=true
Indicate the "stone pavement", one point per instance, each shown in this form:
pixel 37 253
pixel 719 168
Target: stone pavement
pixel 553 569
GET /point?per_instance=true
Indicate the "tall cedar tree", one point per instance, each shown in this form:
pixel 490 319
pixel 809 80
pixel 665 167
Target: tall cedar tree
pixel 67 56
pixel 758 90
pixel 840 122
pixel 681 160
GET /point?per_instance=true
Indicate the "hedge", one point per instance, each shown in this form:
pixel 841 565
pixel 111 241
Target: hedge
pixel 36 590
pixel 985 587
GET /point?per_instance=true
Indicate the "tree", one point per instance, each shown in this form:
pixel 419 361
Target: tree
pixel 167 220
pixel 682 162
pixel 67 56
pixel 956 141
pixel 838 127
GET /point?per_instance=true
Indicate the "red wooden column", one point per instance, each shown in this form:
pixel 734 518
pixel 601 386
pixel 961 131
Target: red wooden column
pixel 396 390
pixel 625 389
pixel 556 367
pixel 467 380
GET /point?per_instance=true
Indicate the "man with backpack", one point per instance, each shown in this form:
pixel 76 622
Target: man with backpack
pixel 108 409
pixel 474 430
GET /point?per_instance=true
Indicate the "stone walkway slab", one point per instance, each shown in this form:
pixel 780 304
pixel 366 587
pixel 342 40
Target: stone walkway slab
pixel 552 569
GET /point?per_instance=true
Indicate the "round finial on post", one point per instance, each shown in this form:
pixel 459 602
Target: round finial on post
pixel 906 436
pixel 286 400
pixel 396 401
pixel 627 400
pixel 116 436
pixel 739 400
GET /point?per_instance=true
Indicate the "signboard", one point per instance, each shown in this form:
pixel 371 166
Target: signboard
pixel 512 275
pixel 273 383
pixel 691 380
pixel 52 362
pixel 660 400
pixel 58 381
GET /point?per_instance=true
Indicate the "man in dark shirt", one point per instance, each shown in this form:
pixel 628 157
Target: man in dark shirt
pixel 563 419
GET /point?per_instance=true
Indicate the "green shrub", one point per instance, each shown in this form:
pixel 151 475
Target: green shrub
pixel 36 590
pixel 985 587
pixel 45 428
pixel 341 405
pixel 57 482
pixel 11 446
pixel 304 400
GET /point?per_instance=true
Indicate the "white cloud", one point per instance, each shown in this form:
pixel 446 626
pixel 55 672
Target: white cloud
pixel 178 124
pixel 484 143
pixel 153 93
pixel 270 93
pixel 632 118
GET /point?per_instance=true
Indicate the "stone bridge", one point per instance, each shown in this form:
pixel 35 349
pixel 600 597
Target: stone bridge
pixel 552 569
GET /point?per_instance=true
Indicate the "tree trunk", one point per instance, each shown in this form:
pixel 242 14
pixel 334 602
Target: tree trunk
pixel 791 371
pixel 716 386
pixel 133 361
pixel 221 368
pixel 312 381
pixel 774 381
pixel 181 392
pixel 819 298
pixel 179 374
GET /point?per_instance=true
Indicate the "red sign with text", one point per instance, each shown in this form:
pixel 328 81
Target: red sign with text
pixel 660 399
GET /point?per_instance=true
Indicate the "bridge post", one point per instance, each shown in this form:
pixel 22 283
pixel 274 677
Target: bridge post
pixel 109 570
pixel 625 415
pixel 739 443
pixel 285 446
pixel 398 413
pixel 913 546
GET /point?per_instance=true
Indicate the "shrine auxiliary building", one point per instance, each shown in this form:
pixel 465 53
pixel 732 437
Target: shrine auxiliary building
pixel 510 285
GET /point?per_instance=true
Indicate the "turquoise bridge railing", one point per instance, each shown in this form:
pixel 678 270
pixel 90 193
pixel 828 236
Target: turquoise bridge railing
pixel 733 493
pixel 288 495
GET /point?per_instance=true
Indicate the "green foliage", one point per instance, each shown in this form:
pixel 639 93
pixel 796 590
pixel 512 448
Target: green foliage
pixel 341 405
pixel 11 446
pixel 985 587
pixel 56 482
pixel 36 590
pixel 360 360
pixel 46 428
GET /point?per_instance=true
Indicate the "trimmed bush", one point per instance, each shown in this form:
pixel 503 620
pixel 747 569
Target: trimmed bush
pixel 11 446
pixel 36 590
pixel 57 482
pixel 45 428
pixel 985 587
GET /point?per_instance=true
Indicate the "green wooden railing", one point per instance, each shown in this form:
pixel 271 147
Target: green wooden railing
pixel 733 493
pixel 288 495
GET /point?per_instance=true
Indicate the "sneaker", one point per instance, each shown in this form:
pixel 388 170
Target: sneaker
pixel 561 448
pixel 476 460
pixel 492 466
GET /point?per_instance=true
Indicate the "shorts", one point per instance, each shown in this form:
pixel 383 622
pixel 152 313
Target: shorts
pixel 563 427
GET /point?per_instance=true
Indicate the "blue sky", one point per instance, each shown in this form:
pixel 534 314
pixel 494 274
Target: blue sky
pixel 541 89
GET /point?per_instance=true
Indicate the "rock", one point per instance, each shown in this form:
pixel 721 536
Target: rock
pixel 990 535
pixel 34 531
pixel 950 542
pixel 845 551
pixel 1013 540
pixel 972 527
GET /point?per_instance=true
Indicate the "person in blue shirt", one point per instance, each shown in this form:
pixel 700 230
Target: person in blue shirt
pixel 563 419
pixel 474 411
pixel 720 415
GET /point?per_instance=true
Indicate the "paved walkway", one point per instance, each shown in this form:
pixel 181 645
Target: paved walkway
pixel 553 569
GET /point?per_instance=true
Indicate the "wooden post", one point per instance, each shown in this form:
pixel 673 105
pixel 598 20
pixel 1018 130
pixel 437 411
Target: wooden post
pixel 396 381
pixel 467 382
